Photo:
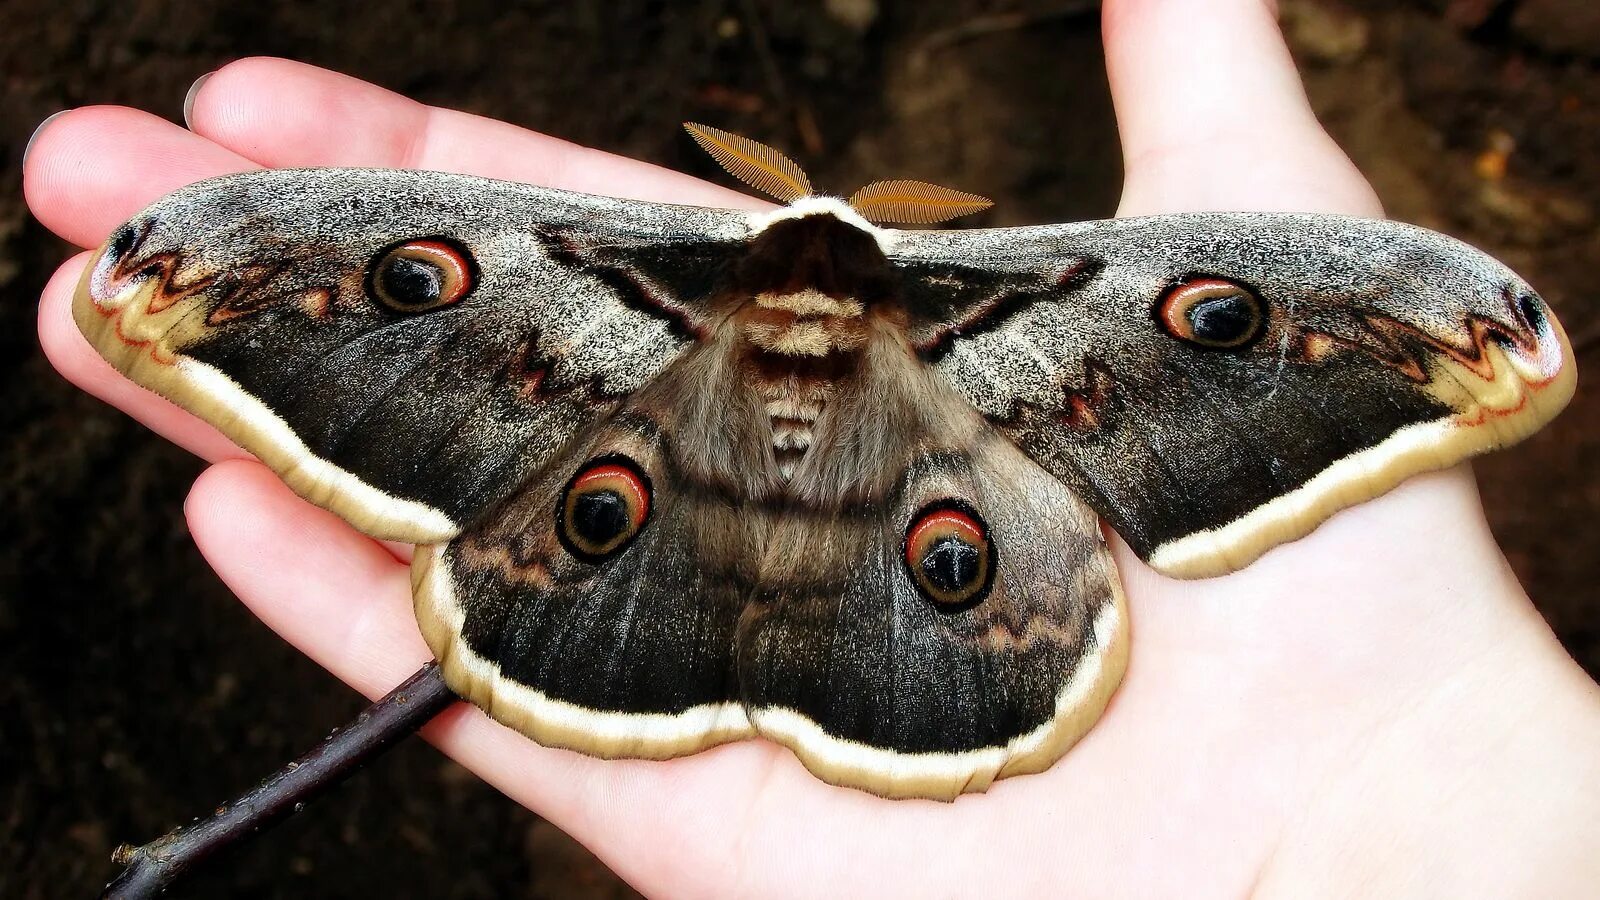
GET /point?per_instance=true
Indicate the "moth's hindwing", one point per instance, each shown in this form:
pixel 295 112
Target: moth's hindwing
pixel 1217 384
pixel 619 647
pixel 961 624
pixel 878 679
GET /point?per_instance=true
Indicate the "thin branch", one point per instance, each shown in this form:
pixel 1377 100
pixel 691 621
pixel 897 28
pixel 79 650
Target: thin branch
pixel 996 23
pixel 156 865
pixel 805 121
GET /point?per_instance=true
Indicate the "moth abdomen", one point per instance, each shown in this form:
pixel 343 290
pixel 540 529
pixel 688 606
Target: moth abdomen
pixel 811 286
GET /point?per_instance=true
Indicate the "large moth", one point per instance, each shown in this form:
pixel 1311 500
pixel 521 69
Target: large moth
pixel 680 476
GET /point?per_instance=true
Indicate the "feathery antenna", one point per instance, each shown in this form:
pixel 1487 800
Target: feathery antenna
pixel 768 171
pixel 914 202
pixel 757 165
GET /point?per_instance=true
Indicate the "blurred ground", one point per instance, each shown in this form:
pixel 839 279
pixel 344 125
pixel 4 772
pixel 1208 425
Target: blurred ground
pixel 134 690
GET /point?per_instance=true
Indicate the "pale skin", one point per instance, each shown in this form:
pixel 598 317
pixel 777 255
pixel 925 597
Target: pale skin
pixel 1375 710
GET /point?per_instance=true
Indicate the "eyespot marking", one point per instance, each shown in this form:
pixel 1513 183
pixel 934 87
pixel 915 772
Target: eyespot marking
pixel 604 507
pixel 949 555
pixel 1213 313
pixel 422 274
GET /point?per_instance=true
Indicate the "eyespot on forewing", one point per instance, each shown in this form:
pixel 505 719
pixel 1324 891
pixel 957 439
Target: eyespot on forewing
pixel 1213 313
pixel 421 274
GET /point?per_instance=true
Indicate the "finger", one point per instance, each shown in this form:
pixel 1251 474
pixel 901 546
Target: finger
pixel 283 113
pixel 332 591
pixel 67 349
pixel 93 168
pixel 1213 115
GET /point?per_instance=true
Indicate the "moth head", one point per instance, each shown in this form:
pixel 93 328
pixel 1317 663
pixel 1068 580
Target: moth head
pixel 882 202
pixel 1213 313
pixel 603 508
pixel 420 274
pixel 949 555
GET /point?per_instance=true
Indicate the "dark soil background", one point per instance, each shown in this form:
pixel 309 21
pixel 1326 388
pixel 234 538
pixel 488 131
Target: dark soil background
pixel 134 691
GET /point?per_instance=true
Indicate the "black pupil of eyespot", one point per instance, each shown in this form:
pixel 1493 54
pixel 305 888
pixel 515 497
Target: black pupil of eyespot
pixel 600 516
pixel 1222 319
pixel 411 281
pixel 951 564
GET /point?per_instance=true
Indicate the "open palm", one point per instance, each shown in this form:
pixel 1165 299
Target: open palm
pixel 1343 714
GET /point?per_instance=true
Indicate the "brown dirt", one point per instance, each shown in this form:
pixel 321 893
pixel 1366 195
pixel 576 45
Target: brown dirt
pixel 135 690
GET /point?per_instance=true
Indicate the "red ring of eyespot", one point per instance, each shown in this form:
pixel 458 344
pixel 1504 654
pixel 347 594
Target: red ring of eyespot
pixel 633 486
pixel 957 520
pixel 938 522
pixel 449 257
pixel 1173 309
pixel 626 480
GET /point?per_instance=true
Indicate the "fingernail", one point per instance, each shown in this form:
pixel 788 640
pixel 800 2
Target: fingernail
pixel 188 100
pixel 33 138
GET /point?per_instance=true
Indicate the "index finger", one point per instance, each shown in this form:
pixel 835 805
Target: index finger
pixel 281 113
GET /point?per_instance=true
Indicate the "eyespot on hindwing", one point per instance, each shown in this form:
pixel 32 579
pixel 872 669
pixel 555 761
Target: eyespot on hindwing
pixel 1213 313
pixel 949 555
pixel 421 274
pixel 603 508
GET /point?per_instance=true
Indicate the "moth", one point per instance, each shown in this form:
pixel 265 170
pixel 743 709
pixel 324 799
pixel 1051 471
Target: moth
pixel 680 476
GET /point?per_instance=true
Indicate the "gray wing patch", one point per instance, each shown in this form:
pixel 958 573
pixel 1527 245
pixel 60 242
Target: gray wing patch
pixel 246 299
pixel 1387 350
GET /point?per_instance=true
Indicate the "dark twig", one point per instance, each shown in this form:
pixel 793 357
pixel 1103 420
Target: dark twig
pixel 156 865
pixel 997 23
pixel 805 121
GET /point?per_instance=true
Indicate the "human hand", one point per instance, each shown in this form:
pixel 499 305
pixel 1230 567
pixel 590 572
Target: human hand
pixel 1304 723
